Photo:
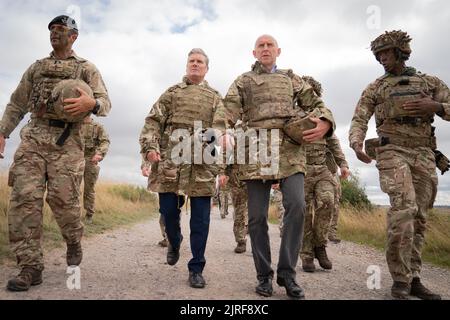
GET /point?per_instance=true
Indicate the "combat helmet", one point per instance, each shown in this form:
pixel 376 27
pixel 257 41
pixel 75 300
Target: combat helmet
pixel 67 89
pixel 396 39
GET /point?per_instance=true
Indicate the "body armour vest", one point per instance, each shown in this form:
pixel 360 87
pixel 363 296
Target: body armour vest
pixel 47 75
pixel 90 133
pixel 393 92
pixel 391 119
pixel 267 97
pixel 193 103
pixel 316 153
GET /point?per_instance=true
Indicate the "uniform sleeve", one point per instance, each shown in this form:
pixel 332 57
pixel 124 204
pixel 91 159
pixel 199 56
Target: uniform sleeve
pixel 334 146
pixel 308 100
pixel 233 104
pixel 102 142
pixel 220 119
pixel 94 79
pixel 442 95
pixel 145 164
pixel 17 107
pixel 363 112
pixel 155 125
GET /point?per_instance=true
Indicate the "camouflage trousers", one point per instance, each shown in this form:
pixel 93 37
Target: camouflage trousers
pixel 409 178
pixel 41 167
pixel 239 197
pixel 320 186
pixel 224 195
pixel 91 172
pixel 337 203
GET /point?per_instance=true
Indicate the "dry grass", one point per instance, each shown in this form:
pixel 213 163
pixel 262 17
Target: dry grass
pixel 115 205
pixel 369 228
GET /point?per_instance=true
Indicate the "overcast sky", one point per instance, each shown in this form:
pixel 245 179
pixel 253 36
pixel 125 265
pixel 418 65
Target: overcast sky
pixel 140 48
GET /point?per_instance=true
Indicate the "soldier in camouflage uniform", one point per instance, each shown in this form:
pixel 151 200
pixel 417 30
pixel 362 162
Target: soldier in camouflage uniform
pixel 404 102
pixel 176 111
pixel 224 195
pixel 146 172
pixel 50 156
pixel 239 197
pixel 320 187
pixel 336 160
pixel 96 144
pixel 265 98
pixel 278 200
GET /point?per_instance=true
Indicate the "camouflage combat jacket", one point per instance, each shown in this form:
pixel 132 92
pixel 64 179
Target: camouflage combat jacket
pixel 96 140
pixel 175 110
pixel 384 98
pixel 37 83
pixel 263 100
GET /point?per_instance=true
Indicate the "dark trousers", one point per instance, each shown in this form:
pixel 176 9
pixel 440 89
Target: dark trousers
pixel 258 207
pixel 170 206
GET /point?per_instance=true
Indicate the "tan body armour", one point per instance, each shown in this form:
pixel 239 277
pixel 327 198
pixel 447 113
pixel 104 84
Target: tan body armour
pixel 192 103
pixel 394 124
pixel 48 74
pixel 189 103
pixel 90 132
pixel 269 99
pixel 316 153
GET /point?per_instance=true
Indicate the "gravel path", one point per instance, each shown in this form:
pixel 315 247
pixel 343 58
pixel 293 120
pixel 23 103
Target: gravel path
pixel 128 264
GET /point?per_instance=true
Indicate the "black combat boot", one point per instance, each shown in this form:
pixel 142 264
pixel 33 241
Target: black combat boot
pixel 241 247
pixel 400 290
pixel 28 276
pixel 418 290
pixel 74 254
pixel 321 255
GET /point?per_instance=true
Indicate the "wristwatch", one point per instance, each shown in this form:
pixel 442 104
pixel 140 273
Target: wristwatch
pixel 96 107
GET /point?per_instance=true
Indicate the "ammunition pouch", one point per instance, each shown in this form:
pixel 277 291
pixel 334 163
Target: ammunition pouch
pixel 442 162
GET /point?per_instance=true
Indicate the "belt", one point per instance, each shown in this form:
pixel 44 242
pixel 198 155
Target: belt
pixel 403 142
pixel 67 126
pixel 57 123
pixel 411 120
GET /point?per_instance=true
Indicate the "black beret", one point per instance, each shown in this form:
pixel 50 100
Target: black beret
pixel 65 21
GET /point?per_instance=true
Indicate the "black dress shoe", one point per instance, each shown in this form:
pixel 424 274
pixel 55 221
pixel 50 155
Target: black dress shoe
pixel 293 290
pixel 196 280
pixel 264 287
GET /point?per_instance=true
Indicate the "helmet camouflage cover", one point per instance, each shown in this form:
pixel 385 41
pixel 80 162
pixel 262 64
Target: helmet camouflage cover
pixel 67 89
pixel 392 39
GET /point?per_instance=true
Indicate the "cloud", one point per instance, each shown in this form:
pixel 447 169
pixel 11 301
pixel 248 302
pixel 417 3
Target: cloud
pixel 141 47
